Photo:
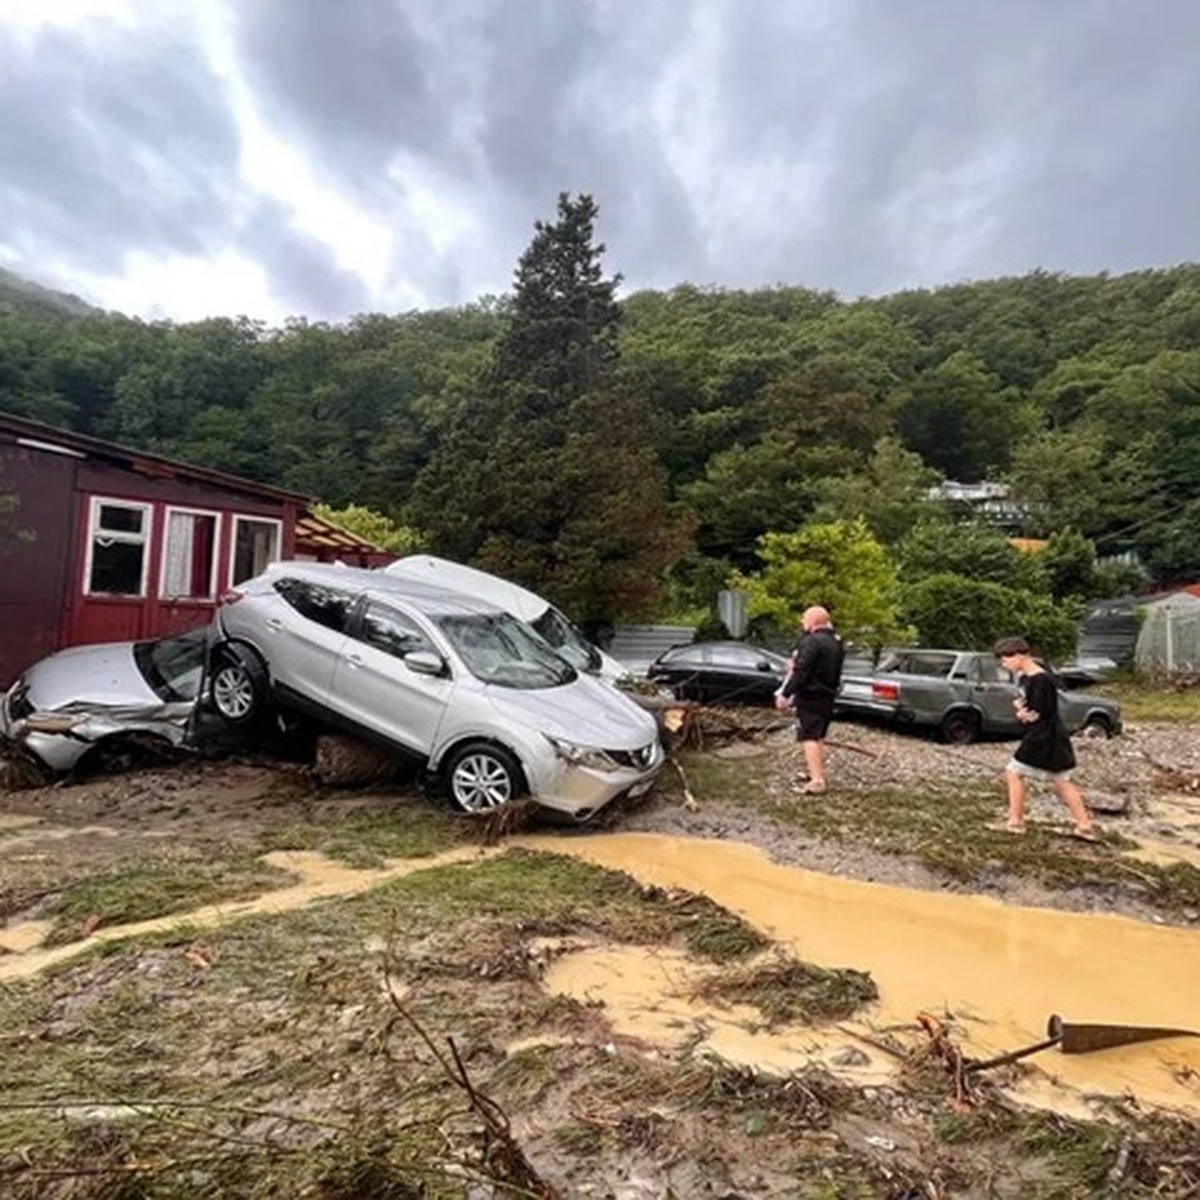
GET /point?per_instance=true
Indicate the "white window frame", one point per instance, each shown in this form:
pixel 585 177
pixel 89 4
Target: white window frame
pixel 211 594
pixel 238 520
pixel 145 539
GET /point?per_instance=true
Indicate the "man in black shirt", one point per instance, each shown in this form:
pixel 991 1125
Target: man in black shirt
pixel 810 688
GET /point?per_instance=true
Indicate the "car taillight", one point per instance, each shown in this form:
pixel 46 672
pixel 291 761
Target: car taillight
pixel 231 597
pixel 885 691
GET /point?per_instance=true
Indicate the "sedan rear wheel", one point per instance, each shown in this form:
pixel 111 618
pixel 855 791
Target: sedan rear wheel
pixel 959 728
pixel 481 777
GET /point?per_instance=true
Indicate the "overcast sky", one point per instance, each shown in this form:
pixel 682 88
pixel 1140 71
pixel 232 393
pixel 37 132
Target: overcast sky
pixel 184 158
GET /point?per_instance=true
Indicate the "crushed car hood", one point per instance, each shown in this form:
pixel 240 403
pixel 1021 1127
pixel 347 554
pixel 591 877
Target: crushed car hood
pixel 586 712
pixel 104 676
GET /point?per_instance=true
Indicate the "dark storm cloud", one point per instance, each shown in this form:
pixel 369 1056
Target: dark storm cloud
pixel 862 145
pixel 508 103
pixel 300 268
pixel 355 79
pixel 987 139
pixel 111 141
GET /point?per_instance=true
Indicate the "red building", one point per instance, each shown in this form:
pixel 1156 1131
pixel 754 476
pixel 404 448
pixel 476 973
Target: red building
pixel 115 545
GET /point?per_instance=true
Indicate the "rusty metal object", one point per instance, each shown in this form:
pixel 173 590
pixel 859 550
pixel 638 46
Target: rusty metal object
pixel 1083 1039
pixel 1075 1038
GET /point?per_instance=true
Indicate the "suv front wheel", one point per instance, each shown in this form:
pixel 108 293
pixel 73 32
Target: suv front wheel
pixel 480 777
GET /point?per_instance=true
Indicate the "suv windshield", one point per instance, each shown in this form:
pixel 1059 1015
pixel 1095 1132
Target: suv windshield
pixel 502 650
pixel 567 640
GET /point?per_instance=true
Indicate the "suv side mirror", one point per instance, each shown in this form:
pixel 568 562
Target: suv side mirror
pixel 424 662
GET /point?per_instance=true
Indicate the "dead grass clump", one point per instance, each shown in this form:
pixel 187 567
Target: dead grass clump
pixel 785 991
pixel 805 1100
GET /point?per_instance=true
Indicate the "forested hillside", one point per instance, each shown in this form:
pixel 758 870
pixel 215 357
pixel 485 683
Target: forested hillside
pixel 759 411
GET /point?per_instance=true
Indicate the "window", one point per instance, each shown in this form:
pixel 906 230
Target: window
pixel 325 605
pixel 189 556
pixel 174 667
pixel 391 631
pixel 255 547
pixel 118 534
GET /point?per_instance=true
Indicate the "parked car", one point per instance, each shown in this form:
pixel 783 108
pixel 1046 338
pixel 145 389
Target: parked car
pixel 462 686
pixel 550 623
pixel 102 702
pixel 1085 671
pixel 720 672
pixel 961 694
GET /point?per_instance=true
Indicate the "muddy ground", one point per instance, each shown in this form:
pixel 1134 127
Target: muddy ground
pixel 270 1057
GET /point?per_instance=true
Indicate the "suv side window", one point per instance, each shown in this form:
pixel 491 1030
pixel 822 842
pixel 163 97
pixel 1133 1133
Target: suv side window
pixel 325 605
pixel 389 630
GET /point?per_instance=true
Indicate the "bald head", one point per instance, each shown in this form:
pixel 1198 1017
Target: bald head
pixel 815 617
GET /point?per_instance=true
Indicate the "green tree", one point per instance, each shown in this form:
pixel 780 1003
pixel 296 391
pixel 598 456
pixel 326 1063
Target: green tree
pixel 374 526
pixel 889 493
pixel 1069 563
pixel 549 476
pixel 962 419
pixel 971 549
pixel 972 614
pixel 840 565
pixel 1078 477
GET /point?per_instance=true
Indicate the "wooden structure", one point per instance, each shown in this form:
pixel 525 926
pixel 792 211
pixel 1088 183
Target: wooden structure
pixel 111 544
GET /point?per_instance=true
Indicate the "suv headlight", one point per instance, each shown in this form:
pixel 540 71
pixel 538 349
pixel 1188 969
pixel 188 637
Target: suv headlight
pixel 582 756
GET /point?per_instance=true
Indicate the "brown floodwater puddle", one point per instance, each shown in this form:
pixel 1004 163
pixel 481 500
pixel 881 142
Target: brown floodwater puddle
pixel 999 970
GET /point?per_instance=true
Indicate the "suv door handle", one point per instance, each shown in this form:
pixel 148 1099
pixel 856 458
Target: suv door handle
pixel 274 623
pixel 354 661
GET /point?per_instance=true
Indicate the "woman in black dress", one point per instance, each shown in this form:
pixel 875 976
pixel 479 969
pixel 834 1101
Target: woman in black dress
pixel 1045 751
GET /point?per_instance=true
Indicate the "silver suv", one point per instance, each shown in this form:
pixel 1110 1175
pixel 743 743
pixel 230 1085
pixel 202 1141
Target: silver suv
pixel 470 691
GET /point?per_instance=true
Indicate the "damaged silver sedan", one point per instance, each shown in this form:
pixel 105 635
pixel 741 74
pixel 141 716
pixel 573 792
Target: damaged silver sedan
pixel 97 704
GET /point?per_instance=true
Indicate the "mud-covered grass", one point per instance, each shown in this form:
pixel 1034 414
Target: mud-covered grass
pixel 948 829
pixel 785 991
pixel 368 837
pixel 139 894
pixel 277 1057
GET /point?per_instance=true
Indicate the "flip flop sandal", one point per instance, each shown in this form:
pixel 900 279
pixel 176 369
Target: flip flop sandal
pixel 1078 835
pixel 1003 827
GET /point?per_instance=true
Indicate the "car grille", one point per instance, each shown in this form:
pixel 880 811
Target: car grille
pixel 637 759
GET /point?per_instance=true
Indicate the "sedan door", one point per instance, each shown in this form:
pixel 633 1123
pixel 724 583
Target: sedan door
pixel 741 674
pixel 993 693
pixel 373 687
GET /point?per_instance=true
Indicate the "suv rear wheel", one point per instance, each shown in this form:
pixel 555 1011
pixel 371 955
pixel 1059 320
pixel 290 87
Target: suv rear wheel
pixel 238 687
pixel 480 777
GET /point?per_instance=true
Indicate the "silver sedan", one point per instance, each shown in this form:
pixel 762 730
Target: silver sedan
pixel 101 702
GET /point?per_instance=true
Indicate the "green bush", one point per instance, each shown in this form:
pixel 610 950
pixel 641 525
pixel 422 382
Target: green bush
pixel 971 614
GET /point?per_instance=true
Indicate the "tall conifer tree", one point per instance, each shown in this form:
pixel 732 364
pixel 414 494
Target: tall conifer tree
pixel 548 476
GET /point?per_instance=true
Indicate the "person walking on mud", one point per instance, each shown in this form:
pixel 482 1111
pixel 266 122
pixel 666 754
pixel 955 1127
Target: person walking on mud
pixel 1045 751
pixel 810 688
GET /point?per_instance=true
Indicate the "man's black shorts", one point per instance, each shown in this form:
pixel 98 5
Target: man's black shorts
pixel 812 719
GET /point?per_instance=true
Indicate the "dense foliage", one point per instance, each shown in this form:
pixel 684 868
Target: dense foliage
pixel 568 437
